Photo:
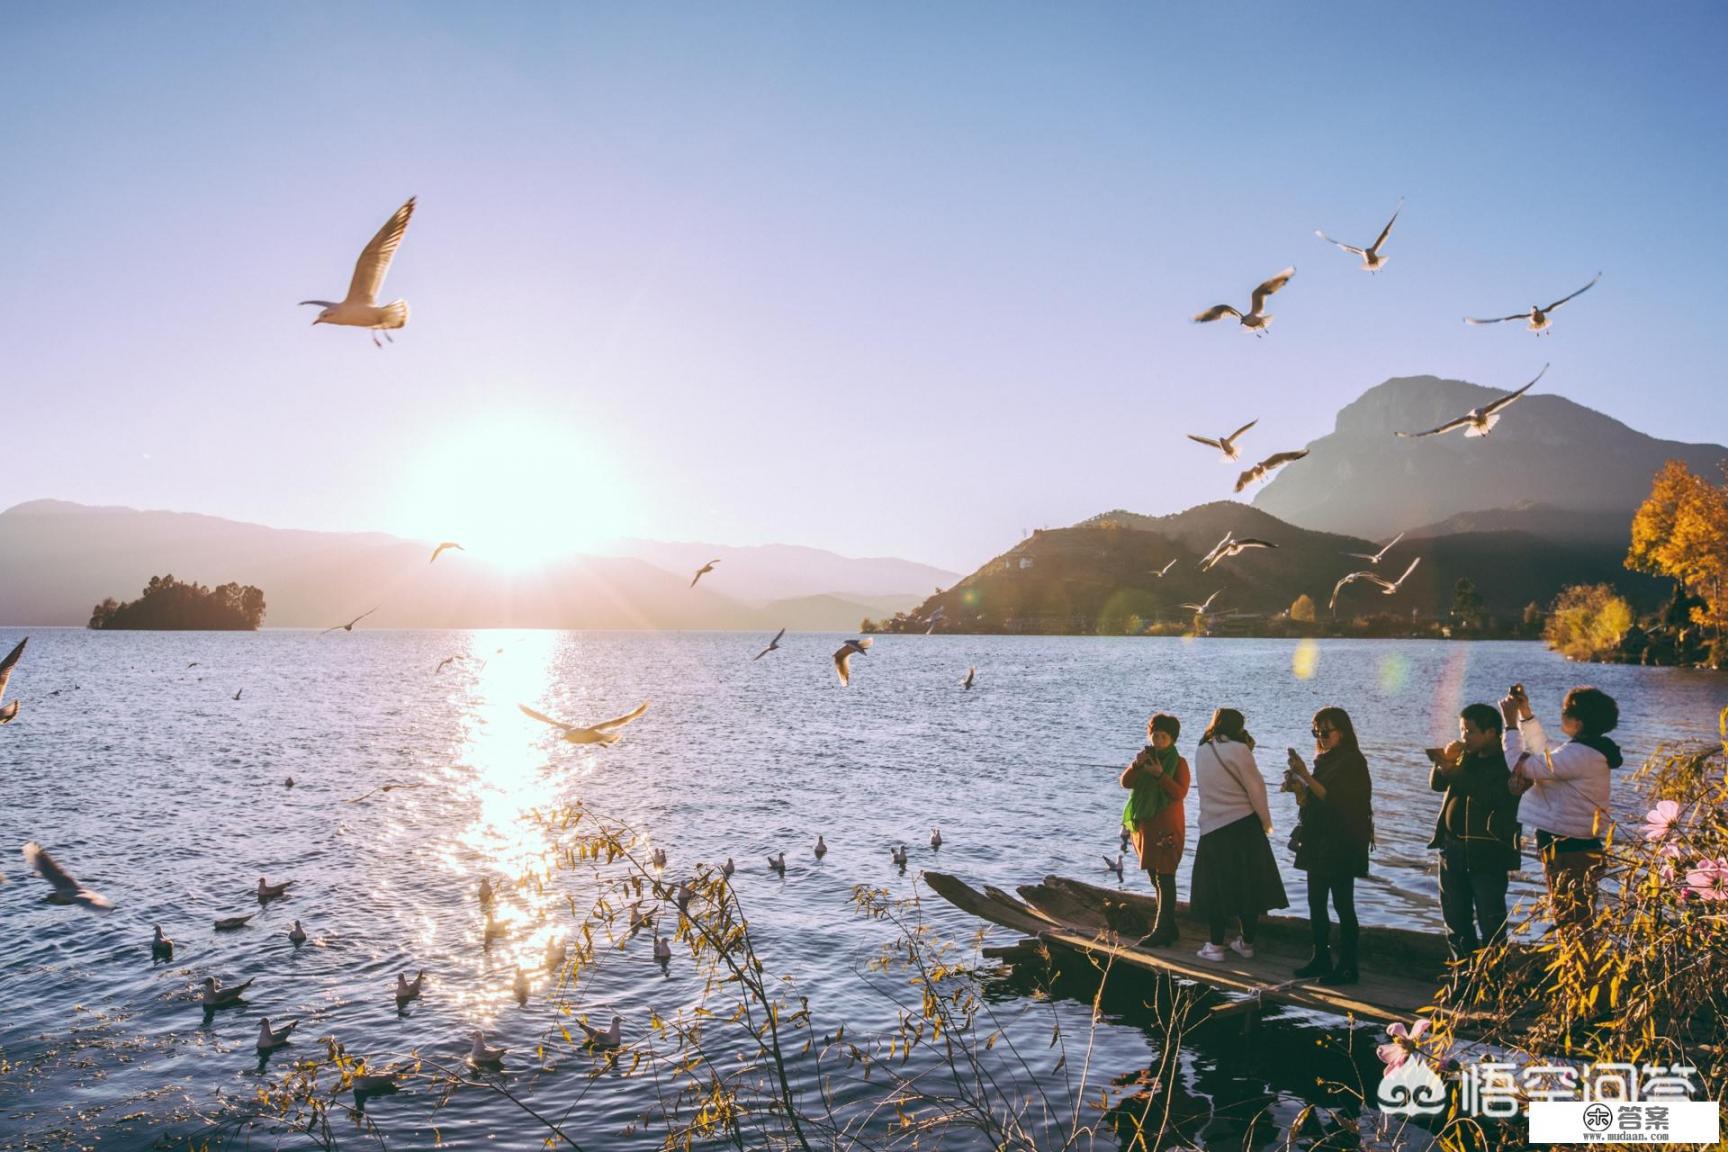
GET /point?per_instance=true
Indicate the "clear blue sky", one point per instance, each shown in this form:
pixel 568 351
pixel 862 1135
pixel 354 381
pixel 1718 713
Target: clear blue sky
pixel 884 278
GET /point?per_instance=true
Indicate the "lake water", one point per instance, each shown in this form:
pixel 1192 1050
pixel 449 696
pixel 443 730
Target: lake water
pixel 134 765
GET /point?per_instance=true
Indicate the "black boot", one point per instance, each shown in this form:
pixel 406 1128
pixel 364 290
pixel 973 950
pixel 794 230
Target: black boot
pixel 1320 963
pixel 1345 972
pixel 1164 931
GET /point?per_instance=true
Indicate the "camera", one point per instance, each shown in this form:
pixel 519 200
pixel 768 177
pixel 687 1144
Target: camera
pixel 1517 692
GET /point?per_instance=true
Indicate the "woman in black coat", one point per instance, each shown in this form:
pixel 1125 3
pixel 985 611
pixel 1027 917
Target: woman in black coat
pixel 1332 838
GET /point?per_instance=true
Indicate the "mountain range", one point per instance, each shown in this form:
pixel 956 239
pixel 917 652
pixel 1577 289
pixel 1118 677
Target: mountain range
pixel 58 559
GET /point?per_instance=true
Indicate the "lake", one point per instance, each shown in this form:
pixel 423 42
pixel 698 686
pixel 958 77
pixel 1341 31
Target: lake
pixel 133 763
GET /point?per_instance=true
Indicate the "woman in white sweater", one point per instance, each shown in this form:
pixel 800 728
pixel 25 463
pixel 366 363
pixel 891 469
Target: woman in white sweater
pixel 1565 791
pixel 1235 875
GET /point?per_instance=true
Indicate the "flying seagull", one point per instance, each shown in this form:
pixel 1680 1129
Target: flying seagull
pixel 1235 548
pixel 601 733
pixel 1539 318
pixel 349 627
pixel 1267 466
pixel 9 711
pixel 1254 319
pixel 971 674
pixel 385 787
pixel 1387 587
pixel 1478 421
pixel 1206 560
pixel 1372 260
pixel 843 658
pixel 1374 558
pixel 773 645
pixel 703 571
pixel 1161 571
pixel 1203 608
pixel 361 309
pixel 445 547
pixel 1225 444
pixel 66 889
pixel 237 694
pixel 442 663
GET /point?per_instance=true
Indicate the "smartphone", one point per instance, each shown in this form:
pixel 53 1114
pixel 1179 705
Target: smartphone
pixel 1436 755
pixel 1518 692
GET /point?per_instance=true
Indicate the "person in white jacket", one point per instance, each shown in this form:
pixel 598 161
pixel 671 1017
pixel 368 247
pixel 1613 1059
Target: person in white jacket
pixel 1235 876
pixel 1565 791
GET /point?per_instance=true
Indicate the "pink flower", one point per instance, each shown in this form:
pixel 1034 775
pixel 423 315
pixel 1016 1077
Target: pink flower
pixel 1660 819
pixel 1404 1042
pixel 1709 879
pixel 1669 853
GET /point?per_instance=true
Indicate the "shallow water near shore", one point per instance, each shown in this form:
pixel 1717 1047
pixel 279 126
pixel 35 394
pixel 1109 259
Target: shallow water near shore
pixel 132 762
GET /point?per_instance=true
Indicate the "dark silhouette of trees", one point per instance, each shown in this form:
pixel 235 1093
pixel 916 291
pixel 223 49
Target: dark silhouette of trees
pixel 170 605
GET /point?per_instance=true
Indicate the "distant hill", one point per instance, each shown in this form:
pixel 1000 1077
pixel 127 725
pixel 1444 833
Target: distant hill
pixel 58 559
pixel 777 571
pixel 1547 450
pixel 1098 576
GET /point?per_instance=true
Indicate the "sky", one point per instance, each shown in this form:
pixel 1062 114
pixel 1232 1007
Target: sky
pixel 889 278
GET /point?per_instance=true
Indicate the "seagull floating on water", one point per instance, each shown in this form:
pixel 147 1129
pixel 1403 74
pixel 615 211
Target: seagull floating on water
pixel 1115 865
pixel 1255 320
pixel 1387 587
pixel 1267 466
pixel 1479 421
pixel 216 996
pixel 408 990
pixel 778 863
pixel 1540 318
pixel 728 868
pixel 659 858
pixel 703 571
pixel 297 935
pixel 230 923
pixel 445 547
pixel 773 645
pixel 601 733
pixel 161 948
pixel 1225 444
pixel 898 854
pixel 936 838
pixel 971 674
pixel 67 891
pixel 270 1039
pixel 1372 260
pixel 482 1053
pixel 662 949
pixel 485 892
pixel 367 1083
pixel 610 1038
pixel 521 987
pixel 843 658
pixel 1374 558
pixel 271 891
pixel 10 711
pixel 360 309
pixel 821 848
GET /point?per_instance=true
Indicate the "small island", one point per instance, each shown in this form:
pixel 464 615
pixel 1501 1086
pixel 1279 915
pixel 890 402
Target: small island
pixel 170 605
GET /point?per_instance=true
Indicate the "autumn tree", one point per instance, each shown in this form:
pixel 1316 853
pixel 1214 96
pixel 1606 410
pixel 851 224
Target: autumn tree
pixel 1587 621
pixel 1302 610
pixel 1681 531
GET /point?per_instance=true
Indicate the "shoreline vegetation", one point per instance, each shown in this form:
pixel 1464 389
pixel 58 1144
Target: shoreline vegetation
pixel 170 605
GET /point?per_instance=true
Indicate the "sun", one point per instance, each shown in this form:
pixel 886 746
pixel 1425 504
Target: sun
pixel 516 493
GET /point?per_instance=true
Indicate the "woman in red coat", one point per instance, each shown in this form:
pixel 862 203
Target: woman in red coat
pixel 1159 779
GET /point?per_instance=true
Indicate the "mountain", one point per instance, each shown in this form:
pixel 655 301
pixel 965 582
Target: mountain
pixel 1098 576
pixel 1547 451
pixel 58 559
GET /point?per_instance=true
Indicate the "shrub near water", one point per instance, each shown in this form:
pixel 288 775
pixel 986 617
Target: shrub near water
pixel 1588 620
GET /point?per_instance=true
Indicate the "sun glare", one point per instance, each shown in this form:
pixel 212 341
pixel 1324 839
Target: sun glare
pixel 516 493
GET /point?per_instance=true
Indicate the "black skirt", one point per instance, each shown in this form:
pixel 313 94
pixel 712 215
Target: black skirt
pixel 1234 872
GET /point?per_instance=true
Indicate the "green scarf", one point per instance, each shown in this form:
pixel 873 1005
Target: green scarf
pixel 1149 798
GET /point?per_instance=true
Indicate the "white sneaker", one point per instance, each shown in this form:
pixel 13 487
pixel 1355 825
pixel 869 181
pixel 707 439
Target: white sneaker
pixel 1242 948
pixel 1210 951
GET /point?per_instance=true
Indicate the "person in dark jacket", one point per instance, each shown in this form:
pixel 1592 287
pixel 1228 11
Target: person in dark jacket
pixel 1476 831
pixel 1332 839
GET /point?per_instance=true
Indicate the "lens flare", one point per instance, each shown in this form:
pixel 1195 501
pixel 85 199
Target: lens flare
pixel 1394 672
pixel 1305 661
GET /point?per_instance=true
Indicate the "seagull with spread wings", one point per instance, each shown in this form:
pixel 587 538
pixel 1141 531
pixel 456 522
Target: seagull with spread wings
pixel 1225 444
pixel 66 889
pixel 773 645
pixel 1268 466
pixel 1538 316
pixel 1160 572
pixel 1217 548
pixel 843 657
pixel 971 675
pixel 349 627
pixel 1203 608
pixel 9 711
pixel 361 309
pixel 1255 319
pixel 602 733
pixel 703 571
pixel 1372 259
pixel 1387 587
pixel 1374 558
pixel 445 547
pixel 1478 421
pixel 1235 548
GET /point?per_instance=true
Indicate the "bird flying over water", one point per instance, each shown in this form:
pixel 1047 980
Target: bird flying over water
pixel 1374 558
pixel 384 787
pixel 1268 466
pixel 9 711
pixel 66 889
pixel 1387 587
pixel 1372 260
pixel 601 733
pixel 843 658
pixel 444 547
pixel 1115 865
pixel 1212 555
pixel 1478 421
pixel 703 571
pixel 360 309
pixel 1225 444
pixel 1538 316
pixel 971 674
pixel 442 663
pixel 1159 572
pixel 1202 608
pixel 349 627
pixel 1234 548
pixel 1255 320
pixel 773 645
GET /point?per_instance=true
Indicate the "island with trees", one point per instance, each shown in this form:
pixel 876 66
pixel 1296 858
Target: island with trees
pixel 170 605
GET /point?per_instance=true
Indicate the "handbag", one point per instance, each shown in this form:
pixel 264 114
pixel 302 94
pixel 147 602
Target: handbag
pixel 1295 842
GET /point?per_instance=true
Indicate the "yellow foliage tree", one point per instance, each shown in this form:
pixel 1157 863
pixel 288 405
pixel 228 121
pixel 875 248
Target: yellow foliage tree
pixel 1587 621
pixel 1303 609
pixel 1681 531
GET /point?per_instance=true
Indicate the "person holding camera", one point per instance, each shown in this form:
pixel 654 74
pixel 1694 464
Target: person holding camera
pixel 1333 833
pixel 1154 815
pixel 1476 830
pixel 1565 791
pixel 1234 872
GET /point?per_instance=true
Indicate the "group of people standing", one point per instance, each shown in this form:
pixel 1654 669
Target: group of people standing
pixel 1499 775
